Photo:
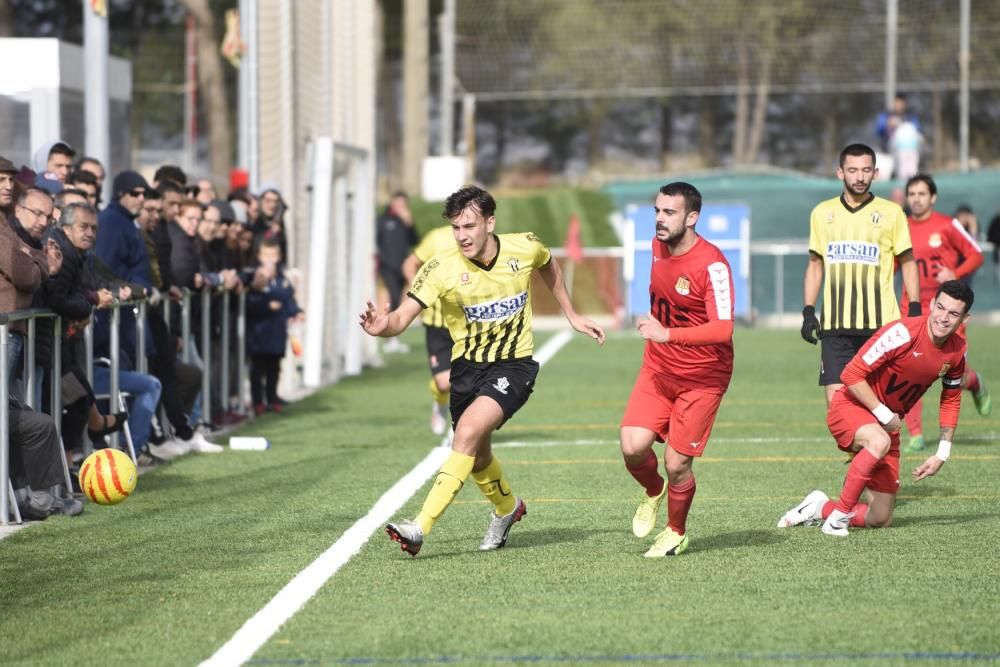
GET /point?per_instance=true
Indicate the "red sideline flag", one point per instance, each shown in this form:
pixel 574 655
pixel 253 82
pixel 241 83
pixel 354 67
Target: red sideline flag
pixel 574 246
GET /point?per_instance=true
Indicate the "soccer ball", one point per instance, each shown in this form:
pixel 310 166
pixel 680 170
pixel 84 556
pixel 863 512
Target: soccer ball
pixel 108 476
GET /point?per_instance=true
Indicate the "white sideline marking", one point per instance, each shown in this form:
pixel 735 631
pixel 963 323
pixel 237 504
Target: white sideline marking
pixel 517 444
pixel 262 626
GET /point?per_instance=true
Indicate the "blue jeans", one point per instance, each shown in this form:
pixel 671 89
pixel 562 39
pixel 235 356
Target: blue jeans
pixel 15 352
pixel 145 391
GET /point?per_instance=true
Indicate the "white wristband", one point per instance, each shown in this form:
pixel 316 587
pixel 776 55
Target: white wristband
pixel 943 450
pixel 883 414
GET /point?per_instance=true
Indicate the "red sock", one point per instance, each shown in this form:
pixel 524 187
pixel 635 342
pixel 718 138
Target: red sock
pixel 914 418
pixel 678 503
pixel 971 380
pixel 647 473
pixel 858 475
pixel 860 513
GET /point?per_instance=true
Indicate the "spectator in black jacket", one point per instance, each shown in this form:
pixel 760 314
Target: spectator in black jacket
pixel 394 237
pixel 72 292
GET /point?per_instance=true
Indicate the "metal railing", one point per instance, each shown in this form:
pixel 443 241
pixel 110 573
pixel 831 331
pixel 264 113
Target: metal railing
pixel 31 316
pixel 140 307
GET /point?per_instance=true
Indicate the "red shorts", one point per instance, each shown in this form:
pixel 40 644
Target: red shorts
pixel 682 418
pixel 844 418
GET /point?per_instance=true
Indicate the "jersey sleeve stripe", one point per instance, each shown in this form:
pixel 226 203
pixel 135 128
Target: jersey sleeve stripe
pixel 415 298
pixel 964 232
pixel 895 336
pixel 718 273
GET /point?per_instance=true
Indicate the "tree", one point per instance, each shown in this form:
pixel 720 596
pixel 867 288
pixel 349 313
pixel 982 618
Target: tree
pixel 212 86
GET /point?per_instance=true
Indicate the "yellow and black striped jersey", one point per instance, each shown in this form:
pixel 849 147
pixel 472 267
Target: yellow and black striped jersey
pixel 487 308
pixel 858 247
pixel 435 242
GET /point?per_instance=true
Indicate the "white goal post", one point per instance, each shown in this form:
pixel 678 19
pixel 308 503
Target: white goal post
pixel 340 272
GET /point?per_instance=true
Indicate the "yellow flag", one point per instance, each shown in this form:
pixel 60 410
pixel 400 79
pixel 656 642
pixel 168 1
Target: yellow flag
pixel 232 44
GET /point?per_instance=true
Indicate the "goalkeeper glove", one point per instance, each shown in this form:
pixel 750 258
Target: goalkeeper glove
pixel 810 325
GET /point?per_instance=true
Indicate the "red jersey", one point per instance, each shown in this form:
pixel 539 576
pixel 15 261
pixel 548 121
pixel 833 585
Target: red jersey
pixel 941 242
pixel 686 291
pixel 901 362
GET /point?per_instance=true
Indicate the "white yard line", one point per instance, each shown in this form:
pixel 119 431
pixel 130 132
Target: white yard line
pixel 262 626
pixel 591 442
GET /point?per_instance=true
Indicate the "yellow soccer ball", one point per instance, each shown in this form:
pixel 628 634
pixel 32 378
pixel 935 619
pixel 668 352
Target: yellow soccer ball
pixel 108 476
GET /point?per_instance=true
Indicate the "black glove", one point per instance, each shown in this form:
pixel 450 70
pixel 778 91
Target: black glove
pixel 810 325
pixel 913 310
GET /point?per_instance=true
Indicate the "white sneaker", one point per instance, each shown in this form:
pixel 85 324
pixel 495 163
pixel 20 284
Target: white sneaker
pixel 806 512
pixel 198 443
pixel 836 524
pixel 167 450
pixel 439 422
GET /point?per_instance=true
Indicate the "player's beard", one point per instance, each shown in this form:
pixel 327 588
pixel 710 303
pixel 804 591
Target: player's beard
pixel 673 235
pixel 851 187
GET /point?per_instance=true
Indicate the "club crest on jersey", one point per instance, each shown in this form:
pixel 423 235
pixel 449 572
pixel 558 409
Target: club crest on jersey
pixel 683 286
pixel 944 370
pixel 512 263
pixel 876 217
pixel 830 217
pixel 935 240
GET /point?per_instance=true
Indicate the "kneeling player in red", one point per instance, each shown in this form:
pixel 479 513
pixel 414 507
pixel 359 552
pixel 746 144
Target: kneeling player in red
pixel 881 383
pixel 685 369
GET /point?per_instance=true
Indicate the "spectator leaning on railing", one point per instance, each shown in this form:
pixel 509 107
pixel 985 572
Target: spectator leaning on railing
pixel 23 265
pixel 72 292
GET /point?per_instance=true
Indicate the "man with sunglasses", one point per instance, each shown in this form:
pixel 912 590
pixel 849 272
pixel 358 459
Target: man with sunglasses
pixel 120 246
pixel 118 242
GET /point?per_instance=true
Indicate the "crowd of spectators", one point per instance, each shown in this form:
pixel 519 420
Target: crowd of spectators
pixel 63 249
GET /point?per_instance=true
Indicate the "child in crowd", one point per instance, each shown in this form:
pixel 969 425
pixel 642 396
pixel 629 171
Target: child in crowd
pixel 270 305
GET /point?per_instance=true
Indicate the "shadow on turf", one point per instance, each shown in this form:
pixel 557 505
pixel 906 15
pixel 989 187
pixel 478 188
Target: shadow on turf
pixel 942 519
pixel 520 539
pixel 737 540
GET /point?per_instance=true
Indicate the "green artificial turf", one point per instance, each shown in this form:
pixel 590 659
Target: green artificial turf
pixel 167 577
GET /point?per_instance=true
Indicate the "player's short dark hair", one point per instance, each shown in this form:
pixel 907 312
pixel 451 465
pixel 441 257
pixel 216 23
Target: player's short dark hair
pixel 856 150
pixel 170 172
pixel 169 186
pixel 59 201
pixel 239 194
pixel 692 198
pixel 81 176
pixel 86 159
pixel 470 195
pixel 271 244
pixel 963 208
pixel 957 290
pixel 61 148
pixel 922 178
